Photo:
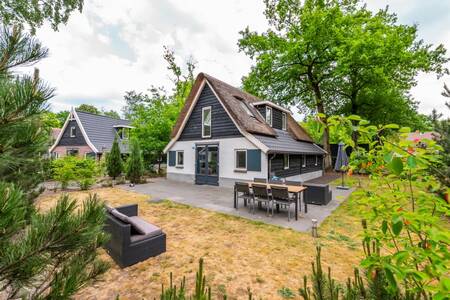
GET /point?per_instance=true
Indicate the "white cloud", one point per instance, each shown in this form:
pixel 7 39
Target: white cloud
pixel 116 45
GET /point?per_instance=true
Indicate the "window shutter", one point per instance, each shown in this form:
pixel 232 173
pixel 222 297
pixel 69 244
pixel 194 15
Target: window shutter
pixel 172 155
pixel 254 160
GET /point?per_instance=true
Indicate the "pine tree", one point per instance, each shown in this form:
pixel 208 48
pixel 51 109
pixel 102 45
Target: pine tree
pixel 135 166
pixel 42 254
pixel 114 164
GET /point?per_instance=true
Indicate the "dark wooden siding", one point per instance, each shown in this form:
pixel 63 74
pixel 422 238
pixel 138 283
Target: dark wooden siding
pixel 295 165
pixel 277 121
pixel 222 125
pixel 66 140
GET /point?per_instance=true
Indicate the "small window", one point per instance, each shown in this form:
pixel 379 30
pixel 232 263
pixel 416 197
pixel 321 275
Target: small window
pixel 123 133
pixel 317 160
pixel 55 155
pixel 304 161
pixel 206 122
pixel 247 110
pixel 283 121
pixel 269 115
pixel 72 152
pixel 286 161
pixel 241 160
pixel 73 131
pixel 180 159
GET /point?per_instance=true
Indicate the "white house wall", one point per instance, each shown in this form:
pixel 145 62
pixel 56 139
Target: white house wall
pixel 227 173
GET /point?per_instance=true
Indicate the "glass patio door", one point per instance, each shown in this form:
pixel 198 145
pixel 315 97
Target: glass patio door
pixel 207 164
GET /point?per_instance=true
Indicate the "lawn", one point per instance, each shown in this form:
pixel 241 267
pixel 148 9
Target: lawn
pixel 238 253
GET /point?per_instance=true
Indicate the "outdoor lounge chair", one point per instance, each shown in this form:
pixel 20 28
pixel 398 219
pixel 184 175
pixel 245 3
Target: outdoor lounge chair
pixel 242 191
pixel 132 239
pixel 316 193
pixel 261 195
pixel 280 196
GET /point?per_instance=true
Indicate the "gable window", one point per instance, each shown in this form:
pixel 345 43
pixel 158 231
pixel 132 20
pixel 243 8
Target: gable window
pixel 283 121
pixel 180 159
pixel 303 160
pixel 240 160
pixel 269 115
pixel 206 121
pixel 286 161
pixel 73 131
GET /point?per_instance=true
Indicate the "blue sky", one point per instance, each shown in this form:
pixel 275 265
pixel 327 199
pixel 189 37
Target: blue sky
pixel 115 45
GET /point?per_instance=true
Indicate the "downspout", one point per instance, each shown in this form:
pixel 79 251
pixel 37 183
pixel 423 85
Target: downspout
pixel 270 166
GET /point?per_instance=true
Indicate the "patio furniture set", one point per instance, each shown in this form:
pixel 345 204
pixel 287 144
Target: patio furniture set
pixel 277 193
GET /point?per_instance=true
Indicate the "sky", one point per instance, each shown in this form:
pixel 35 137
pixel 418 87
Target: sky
pixel 116 46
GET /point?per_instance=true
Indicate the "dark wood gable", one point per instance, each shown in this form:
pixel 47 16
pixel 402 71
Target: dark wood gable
pixel 277 119
pixel 67 140
pixel 221 124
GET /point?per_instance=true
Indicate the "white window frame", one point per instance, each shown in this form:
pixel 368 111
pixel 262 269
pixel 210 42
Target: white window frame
pixel 304 161
pixel 286 160
pixel 317 160
pixel 210 121
pixel 271 115
pixel 71 129
pixel 73 149
pixel 283 121
pixel 177 163
pixel 235 159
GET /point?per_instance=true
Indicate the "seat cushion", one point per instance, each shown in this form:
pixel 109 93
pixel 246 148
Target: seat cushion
pixel 144 228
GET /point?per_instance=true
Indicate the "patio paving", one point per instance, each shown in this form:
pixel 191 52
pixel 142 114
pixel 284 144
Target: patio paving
pixel 220 199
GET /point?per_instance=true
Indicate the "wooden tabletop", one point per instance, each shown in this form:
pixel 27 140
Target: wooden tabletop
pixel 291 188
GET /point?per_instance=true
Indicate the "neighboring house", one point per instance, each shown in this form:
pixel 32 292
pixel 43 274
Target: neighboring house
pixel 224 135
pixel 90 135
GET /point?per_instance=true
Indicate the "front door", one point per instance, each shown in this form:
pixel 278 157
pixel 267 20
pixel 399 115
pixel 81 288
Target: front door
pixel 207 164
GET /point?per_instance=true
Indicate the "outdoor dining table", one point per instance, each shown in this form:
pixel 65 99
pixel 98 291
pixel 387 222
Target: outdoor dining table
pixel 294 189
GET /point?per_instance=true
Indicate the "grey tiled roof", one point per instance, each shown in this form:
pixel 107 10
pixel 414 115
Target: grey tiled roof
pixel 285 143
pixel 100 130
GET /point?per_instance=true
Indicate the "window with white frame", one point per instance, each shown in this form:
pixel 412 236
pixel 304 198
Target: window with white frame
pixel 283 121
pixel 72 152
pixel 180 159
pixel 269 115
pixel 73 131
pixel 206 121
pixel 240 159
pixel 286 161
pixel 303 160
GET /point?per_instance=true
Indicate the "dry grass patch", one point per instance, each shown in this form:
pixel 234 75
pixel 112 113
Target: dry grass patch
pixel 238 253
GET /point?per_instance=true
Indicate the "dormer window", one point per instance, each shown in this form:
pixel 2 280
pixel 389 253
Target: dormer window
pixel 269 115
pixel 73 131
pixel 283 121
pixel 123 131
pixel 247 110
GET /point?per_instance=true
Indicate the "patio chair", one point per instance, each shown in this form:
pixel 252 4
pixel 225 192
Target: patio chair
pixel 131 238
pixel 276 181
pixel 262 180
pixel 242 191
pixel 280 196
pixel 261 195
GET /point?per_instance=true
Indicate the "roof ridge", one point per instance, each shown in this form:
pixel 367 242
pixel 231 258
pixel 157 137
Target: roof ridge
pixel 237 88
pixel 86 112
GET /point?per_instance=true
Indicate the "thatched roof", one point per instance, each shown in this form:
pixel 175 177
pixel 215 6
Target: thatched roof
pixel 231 97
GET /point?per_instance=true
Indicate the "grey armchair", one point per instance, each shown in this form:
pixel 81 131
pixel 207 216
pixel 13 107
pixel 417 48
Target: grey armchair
pixel 316 193
pixel 128 246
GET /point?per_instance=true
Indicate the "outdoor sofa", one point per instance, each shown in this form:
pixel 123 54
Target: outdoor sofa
pixel 132 239
pixel 317 193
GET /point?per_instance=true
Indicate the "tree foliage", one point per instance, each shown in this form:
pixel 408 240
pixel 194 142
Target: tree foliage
pixel 154 115
pixel 135 164
pixel 337 57
pixel 34 13
pixel 114 164
pixel 88 108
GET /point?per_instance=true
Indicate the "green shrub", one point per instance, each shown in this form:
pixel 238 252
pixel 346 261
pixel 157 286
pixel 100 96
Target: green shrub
pixel 71 168
pixel 135 165
pixel 114 164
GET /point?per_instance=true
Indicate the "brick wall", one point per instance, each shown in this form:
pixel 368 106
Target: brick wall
pixel 62 150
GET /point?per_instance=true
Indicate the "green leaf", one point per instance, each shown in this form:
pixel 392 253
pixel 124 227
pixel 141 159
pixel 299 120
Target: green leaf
pixel 396 165
pixel 411 161
pixel 390 277
pixel 388 157
pixel 397 227
pixel 391 126
pixel 354 118
pixel 404 130
pixel 384 226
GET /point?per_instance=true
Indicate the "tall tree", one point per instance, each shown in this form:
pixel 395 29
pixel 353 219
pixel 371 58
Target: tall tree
pixel 43 254
pixel 135 164
pixel 326 55
pixel 34 13
pixel 88 108
pixel 153 115
pixel 114 164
